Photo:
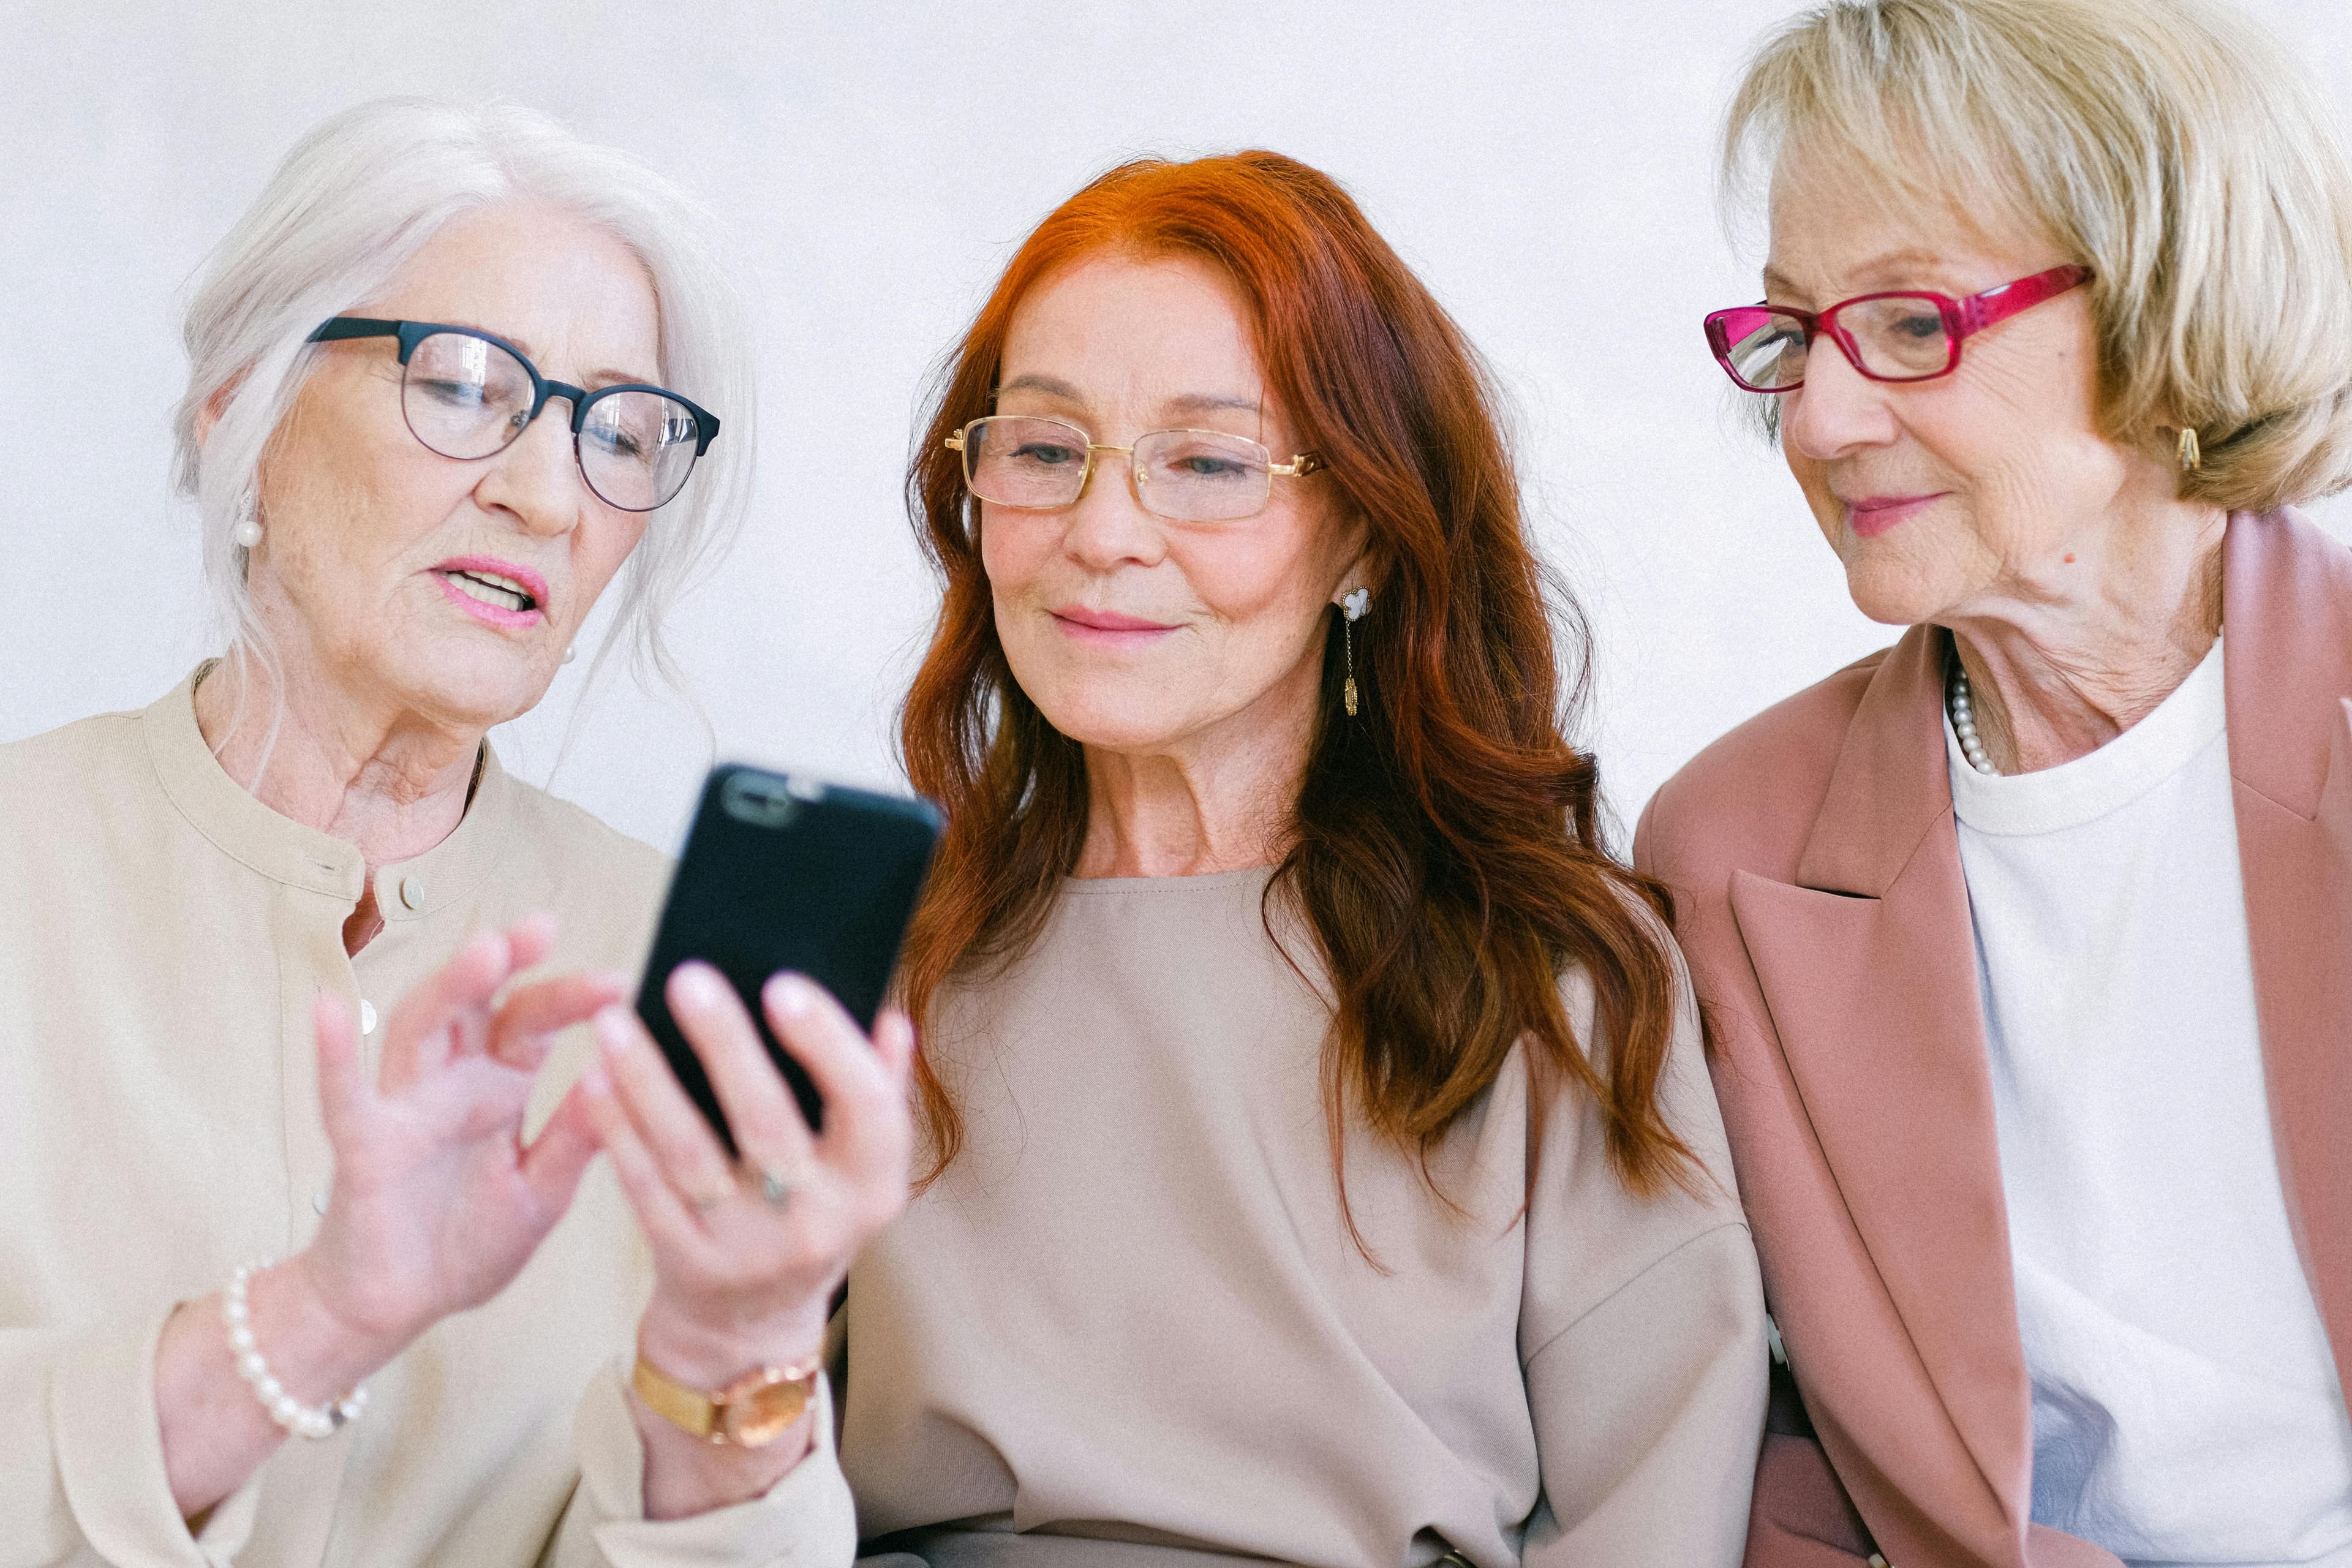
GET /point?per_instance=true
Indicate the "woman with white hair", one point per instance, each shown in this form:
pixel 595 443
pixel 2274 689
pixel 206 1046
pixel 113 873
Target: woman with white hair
pixel 2027 944
pixel 430 421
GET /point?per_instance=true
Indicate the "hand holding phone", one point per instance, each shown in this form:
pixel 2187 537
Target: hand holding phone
pixel 750 1245
pixel 782 872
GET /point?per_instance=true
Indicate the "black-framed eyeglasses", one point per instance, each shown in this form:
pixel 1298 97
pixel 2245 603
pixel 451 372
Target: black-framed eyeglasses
pixel 467 394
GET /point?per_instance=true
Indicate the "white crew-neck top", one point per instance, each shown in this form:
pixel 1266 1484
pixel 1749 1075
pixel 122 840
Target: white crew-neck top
pixel 2186 1406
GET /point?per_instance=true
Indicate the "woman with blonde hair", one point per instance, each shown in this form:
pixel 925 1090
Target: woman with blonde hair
pixel 2026 943
pixel 304 1261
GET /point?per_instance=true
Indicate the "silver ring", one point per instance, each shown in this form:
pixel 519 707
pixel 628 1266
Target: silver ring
pixel 775 1189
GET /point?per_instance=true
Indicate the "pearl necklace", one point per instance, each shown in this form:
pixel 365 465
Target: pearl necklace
pixel 1964 723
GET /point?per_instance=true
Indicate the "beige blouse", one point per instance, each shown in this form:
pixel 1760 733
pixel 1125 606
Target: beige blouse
pixel 1130 1310
pixel 161 936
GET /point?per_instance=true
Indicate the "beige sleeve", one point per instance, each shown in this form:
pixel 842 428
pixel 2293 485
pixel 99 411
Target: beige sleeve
pixel 804 1521
pixel 1642 1339
pixel 1648 1411
pixel 81 1457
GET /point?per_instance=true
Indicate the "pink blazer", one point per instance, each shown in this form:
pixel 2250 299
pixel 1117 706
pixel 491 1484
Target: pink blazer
pixel 1819 897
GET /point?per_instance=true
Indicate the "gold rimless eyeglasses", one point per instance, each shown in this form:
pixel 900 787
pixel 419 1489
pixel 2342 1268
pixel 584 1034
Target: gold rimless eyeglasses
pixel 1036 464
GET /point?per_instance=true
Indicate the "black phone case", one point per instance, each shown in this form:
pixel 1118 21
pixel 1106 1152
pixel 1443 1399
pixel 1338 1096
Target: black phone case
pixel 783 872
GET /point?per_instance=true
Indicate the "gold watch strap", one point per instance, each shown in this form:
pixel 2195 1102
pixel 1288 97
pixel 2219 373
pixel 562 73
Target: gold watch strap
pixel 689 1409
pixel 749 1412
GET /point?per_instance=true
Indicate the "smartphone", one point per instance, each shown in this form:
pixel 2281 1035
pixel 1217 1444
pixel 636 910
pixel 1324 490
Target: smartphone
pixel 783 871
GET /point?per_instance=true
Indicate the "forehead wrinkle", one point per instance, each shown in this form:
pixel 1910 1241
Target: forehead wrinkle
pixel 1932 220
pixel 586 298
pixel 1052 386
pixel 1211 402
pixel 1176 408
pixel 1889 268
pixel 594 379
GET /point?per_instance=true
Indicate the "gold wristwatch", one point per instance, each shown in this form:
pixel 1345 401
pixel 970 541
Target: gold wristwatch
pixel 752 1411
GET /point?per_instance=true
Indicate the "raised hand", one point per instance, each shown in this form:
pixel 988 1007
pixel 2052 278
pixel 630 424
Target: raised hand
pixel 437 1202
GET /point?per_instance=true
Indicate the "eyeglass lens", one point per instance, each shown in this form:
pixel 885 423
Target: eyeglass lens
pixel 1187 476
pixel 465 397
pixel 1900 337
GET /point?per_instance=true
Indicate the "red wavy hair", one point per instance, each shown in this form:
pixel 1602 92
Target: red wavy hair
pixel 1444 850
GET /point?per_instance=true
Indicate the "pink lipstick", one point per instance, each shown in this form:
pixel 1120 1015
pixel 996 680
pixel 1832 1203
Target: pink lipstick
pixel 1870 516
pixel 498 593
pixel 1107 627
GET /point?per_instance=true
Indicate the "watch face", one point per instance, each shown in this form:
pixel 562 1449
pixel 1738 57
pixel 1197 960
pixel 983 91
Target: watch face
pixel 762 1406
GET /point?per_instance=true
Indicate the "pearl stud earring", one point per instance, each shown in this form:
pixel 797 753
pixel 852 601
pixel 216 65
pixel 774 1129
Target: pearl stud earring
pixel 247 531
pixel 571 652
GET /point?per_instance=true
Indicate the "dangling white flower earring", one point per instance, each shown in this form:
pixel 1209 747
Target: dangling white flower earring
pixel 247 531
pixel 1353 605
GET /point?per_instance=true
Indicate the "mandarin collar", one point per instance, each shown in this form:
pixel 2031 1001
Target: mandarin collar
pixel 450 872
pixel 286 851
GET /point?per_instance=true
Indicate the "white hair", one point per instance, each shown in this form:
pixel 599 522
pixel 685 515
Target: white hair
pixel 355 200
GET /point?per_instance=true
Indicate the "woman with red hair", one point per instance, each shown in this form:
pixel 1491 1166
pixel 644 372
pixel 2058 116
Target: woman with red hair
pixel 1322 1166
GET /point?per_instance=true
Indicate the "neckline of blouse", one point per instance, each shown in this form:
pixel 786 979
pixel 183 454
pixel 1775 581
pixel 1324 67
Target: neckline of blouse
pixel 285 851
pixel 1208 882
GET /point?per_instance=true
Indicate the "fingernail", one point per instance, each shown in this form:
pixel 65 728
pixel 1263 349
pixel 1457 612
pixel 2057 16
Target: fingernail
pixel 789 995
pixel 698 987
pixel 611 1028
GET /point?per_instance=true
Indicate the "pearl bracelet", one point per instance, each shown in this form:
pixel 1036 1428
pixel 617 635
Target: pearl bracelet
pixel 302 1421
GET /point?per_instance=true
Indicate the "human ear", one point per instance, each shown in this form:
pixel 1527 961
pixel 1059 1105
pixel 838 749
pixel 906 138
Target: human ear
pixel 1368 567
pixel 216 405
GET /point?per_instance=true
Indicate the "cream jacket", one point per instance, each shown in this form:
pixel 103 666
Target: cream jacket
pixel 161 936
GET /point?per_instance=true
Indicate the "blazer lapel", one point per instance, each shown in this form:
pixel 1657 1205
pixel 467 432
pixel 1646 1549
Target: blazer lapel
pixel 2287 614
pixel 1867 965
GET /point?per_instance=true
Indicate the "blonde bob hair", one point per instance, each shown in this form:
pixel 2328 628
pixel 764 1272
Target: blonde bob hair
pixel 356 198
pixel 2170 146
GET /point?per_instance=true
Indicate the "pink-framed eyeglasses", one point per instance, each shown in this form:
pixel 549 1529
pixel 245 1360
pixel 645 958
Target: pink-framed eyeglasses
pixel 1911 335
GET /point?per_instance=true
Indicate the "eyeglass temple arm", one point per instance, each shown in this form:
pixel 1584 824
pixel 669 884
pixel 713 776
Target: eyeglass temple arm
pixel 335 328
pixel 1979 311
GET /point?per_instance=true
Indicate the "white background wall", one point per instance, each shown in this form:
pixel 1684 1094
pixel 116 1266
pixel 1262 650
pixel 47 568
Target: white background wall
pixel 1546 168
